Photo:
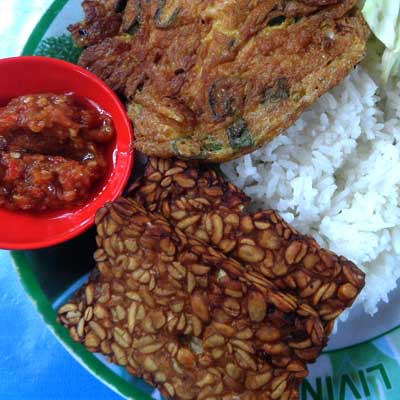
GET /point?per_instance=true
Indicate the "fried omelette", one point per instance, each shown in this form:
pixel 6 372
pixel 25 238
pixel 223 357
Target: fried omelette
pixel 213 80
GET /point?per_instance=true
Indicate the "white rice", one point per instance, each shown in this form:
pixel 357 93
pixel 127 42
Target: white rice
pixel 335 175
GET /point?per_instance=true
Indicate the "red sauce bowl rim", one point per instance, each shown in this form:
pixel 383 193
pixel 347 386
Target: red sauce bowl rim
pixel 82 217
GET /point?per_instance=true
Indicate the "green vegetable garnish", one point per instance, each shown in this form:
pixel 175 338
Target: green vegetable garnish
pixel 383 17
pixel 280 91
pixel 120 6
pixel 134 28
pixel 211 144
pixel 135 24
pixel 239 135
pixel 162 19
pixel 62 47
pixel 277 21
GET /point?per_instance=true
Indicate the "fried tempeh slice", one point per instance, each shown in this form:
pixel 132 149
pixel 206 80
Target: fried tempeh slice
pixel 190 320
pixel 179 189
pixel 201 203
pixel 156 304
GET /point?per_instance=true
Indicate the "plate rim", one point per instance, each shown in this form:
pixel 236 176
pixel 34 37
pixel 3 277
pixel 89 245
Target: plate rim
pixel 31 46
pixel 38 298
pixel 85 358
pixel 42 26
pixel 35 293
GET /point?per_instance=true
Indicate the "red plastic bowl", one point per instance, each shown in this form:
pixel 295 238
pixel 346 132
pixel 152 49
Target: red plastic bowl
pixel 31 75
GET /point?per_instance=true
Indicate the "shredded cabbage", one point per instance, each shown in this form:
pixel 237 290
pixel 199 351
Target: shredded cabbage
pixel 383 17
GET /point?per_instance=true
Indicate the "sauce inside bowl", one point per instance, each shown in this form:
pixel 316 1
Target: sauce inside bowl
pixel 53 151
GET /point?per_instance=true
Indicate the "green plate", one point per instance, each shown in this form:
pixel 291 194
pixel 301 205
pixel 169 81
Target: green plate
pixel 362 361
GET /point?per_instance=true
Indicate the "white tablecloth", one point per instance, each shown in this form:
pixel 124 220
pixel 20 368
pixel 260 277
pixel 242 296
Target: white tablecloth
pixel 17 20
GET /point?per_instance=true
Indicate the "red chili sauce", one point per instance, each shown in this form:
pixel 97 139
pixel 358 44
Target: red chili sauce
pixel 52 151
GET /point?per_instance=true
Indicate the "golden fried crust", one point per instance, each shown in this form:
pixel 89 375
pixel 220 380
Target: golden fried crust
pixel 102 20
pixel 202 299
pixel 168 182
pixel 157 306
pixel 203 205
pixel 213 80
pixel 198 324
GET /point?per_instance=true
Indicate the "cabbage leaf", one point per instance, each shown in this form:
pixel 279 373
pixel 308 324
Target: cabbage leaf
pixel 383 17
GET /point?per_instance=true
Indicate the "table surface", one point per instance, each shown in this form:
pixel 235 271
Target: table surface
pixel 34 365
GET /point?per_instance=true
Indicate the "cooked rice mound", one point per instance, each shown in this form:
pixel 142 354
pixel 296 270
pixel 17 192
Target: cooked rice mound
pixel 334 175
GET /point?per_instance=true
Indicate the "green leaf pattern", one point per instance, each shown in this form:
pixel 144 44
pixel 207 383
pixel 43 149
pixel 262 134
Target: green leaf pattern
pixel 61 47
